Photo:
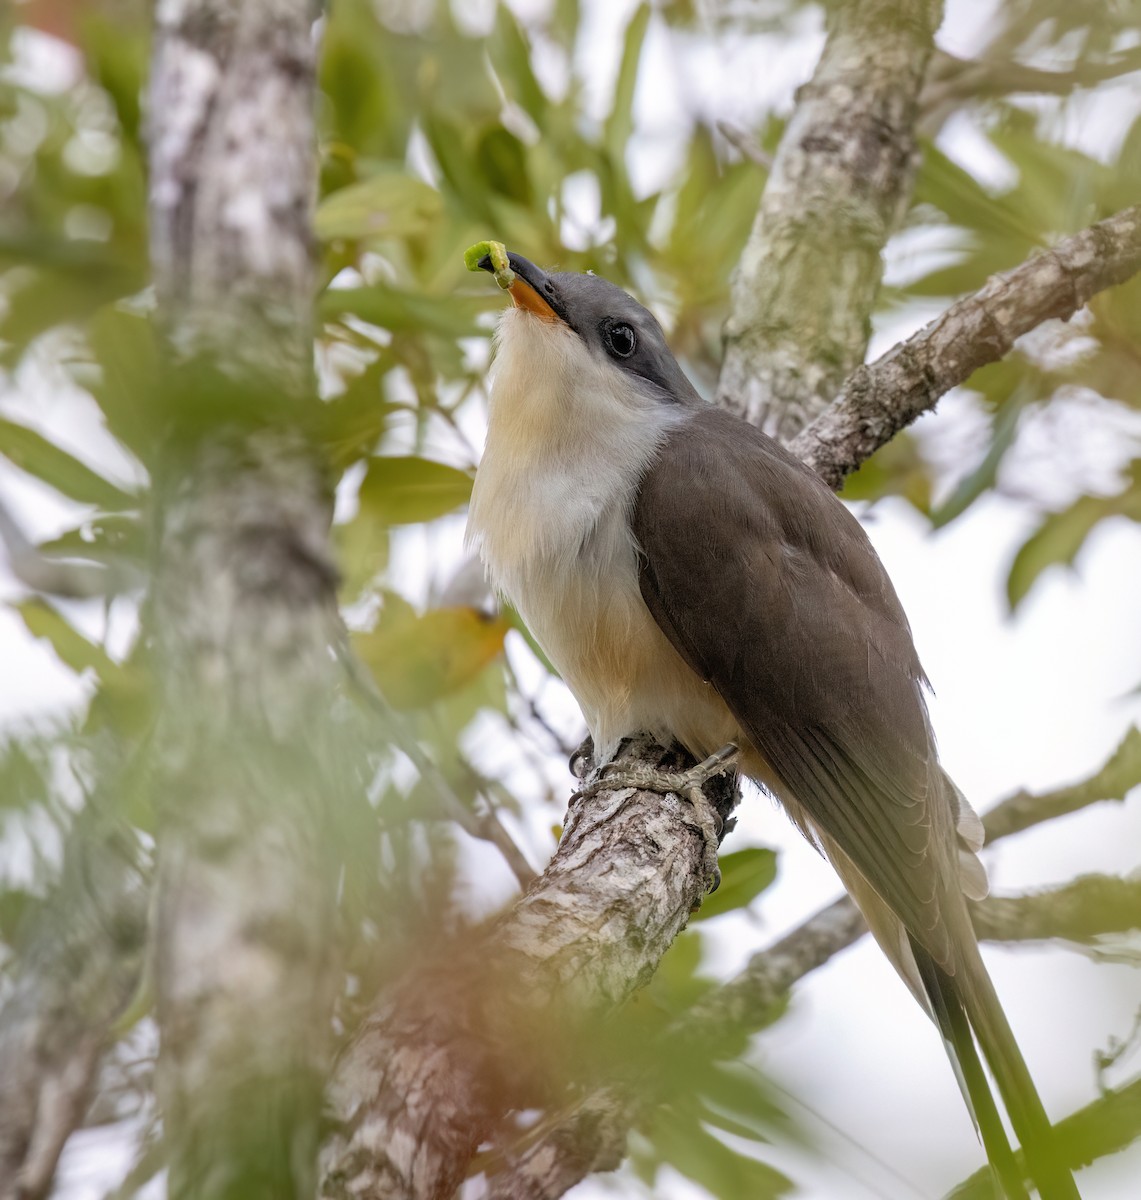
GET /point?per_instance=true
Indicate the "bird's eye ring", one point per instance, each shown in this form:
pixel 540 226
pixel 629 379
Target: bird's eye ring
pixel 621 340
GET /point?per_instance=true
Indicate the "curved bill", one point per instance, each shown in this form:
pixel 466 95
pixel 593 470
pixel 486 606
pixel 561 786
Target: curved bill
pixel 533 289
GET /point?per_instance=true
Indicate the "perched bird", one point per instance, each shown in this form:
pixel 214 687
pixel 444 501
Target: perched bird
pixel 690 578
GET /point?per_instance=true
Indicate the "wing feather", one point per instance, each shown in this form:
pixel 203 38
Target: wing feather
pixel 770 590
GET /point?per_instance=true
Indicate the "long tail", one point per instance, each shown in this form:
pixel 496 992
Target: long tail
pixel 967 1011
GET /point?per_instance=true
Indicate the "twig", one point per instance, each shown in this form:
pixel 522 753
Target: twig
pixel 1121 773
pixel 1081 911
pixel 72 579
pixel 952 80
pixel 743 142
pixel 881 399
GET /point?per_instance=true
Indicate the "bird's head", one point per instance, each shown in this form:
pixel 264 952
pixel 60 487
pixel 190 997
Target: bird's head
pixel 580 331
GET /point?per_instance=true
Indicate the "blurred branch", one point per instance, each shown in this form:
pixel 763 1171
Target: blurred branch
pixel 255 761
pixel 71 579
pixel 884 397
pixel 452 1046
pixel 807 281
pixel 1082 911
pixel 1120 774
pixel 1110 1124
pixel 951 81
pixel 744 142
pixel 77 968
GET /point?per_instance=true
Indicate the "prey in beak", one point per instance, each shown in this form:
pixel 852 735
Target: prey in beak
pixel 529 286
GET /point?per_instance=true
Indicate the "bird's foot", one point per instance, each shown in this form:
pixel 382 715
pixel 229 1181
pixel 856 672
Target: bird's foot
pixel 612 776
pixel 686 784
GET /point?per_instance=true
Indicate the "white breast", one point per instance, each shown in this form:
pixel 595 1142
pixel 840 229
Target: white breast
pixel 550 515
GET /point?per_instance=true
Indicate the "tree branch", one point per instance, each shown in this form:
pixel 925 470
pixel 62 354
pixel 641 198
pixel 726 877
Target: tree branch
pixel 255 759
pixel 1082 911
pixel 1120 774
pixel 808 278
pixel 451 1047
pixel 584 1140
pixel 881 399
pixel 951 81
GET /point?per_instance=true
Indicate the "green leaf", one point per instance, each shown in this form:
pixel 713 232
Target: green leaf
pixel 133 379
pixel 407 312
pixel 975 482
pixel 744 875
pixel 697 1154
pixel 734 1089
pixel 72 648
pixel 511 56
pixel 351 425
pixel 407 490
pixel 118 536
pixel 677 984
pixel 1057 540
pixel 32 452
pixel 391 204
pixel 620 122
pixel 956 193
pixel 896 469
pixel 1061 535
pixel 15 904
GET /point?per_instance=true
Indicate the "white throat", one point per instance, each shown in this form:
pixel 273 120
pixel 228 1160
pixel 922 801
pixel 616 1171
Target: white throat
pixel 569 438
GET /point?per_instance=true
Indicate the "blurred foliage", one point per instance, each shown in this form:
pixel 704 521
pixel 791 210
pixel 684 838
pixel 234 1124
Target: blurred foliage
pixel 433 134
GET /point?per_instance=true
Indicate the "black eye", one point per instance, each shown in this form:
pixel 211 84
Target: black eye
pixel 620 339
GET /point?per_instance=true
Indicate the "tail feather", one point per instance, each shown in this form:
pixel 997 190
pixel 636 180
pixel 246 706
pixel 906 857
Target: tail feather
pixel 968 1010
pixel 956 1030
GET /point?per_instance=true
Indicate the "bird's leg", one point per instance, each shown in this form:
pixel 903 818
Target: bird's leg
pixel 686 784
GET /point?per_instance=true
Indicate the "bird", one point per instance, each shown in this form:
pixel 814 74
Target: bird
pixel 690 578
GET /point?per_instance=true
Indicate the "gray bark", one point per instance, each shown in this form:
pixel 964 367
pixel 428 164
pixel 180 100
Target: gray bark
pixel 881 399
pixel 804 290
pixel 451 1047
pixel 242 611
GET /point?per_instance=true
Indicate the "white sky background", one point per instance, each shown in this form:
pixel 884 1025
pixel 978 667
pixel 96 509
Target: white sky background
pixel 1036 701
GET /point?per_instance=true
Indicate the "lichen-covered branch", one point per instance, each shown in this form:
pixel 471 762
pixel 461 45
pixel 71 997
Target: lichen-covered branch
pixel 884 397
pixel 806 284
pixel 1120 774
pixel 1082 911
pixel 233 180
pixel 253 761
pixel 453 1045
